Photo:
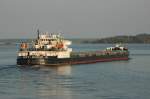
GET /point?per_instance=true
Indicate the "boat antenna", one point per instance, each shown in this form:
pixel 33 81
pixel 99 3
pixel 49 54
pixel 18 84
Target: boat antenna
pixel 38 32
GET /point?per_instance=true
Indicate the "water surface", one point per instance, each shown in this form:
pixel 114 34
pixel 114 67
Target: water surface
pixel 107 80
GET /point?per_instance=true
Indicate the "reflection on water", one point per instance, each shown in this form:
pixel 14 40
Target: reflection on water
pixel 51 81
pixel 64 70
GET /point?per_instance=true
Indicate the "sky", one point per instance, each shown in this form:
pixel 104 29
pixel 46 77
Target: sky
pixel 74 18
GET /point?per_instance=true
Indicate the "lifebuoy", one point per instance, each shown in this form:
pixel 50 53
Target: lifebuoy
pixel 59 45
pixel 23 45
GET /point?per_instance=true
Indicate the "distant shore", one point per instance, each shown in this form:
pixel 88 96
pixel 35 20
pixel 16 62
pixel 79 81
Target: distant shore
pixel 139 39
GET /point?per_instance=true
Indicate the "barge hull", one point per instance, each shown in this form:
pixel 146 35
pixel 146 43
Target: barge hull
pixel 64 61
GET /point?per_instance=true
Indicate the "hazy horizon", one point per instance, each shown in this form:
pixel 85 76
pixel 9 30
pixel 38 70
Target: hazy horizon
pixel 76 38
pixel 74 18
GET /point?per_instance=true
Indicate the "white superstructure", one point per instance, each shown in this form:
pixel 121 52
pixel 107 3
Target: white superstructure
pixel 117 47
pixel 46 45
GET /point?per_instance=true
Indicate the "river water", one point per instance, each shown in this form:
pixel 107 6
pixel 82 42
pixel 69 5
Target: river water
pixel 106 80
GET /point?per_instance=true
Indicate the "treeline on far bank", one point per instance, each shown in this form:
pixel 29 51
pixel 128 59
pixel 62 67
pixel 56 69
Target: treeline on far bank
pixel 140 38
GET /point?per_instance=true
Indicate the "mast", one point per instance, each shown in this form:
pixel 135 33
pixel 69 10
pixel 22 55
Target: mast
pixel 38 32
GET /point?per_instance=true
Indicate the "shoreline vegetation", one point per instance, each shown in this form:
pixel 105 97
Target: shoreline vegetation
pixel 143 38
pixel 140 38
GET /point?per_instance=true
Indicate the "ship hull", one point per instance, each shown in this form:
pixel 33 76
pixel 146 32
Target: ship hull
pixel 51 61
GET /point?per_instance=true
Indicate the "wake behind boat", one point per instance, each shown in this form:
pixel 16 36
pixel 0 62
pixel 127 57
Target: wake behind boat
pixel 52 49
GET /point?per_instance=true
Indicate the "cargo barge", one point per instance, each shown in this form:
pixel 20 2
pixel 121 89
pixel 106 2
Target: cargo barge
pixel 52 50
